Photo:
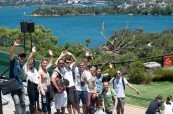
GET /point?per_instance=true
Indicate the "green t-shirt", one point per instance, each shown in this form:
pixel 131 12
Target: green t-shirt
pixel 107 96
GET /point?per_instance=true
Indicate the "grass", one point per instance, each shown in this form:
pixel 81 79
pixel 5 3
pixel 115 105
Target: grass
pixel 149 92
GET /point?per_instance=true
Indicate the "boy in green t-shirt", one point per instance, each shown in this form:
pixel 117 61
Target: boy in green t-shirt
pixel 110 99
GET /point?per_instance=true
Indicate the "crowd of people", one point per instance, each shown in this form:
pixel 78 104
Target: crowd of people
pixel 70 83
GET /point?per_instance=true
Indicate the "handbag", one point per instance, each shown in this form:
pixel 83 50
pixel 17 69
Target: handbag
pixel 9 86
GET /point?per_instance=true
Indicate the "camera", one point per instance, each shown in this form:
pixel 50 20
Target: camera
pixel 82 83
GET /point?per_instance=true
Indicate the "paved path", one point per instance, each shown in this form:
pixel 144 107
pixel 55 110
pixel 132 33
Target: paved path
pixel 129 109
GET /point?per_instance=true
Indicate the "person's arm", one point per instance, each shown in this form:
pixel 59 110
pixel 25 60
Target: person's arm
pixel 133 88
pixel 110 70
pixel 116 102
pixel 31 54
pixel 95 87
pixel 62 55
pixel 40 83
pixel 73 59
pixel 85 77
pixel 16 43
pixel 51 59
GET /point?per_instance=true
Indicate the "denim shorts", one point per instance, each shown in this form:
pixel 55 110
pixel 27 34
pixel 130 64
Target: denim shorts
pixel 82 95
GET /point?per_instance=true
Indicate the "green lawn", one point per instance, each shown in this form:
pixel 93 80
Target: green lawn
pixel 149 92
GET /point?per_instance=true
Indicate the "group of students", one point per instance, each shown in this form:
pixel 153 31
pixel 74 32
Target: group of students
pixel 85 84
pixel 155 106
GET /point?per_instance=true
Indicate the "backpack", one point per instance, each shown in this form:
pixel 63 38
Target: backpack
pixel 122 82
pixel 61 82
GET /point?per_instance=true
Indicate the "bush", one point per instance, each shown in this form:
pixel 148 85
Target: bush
pixel 163 75
pixel 148 78
pixel 136 72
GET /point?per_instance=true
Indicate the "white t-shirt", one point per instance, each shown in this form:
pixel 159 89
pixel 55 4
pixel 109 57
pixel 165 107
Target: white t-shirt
pixel 92 80
pixel 69 76
pixel 118 86
pixel 79 79
pixel 168 108
pixel 31 74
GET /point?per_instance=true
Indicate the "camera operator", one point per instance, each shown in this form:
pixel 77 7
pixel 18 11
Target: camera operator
pixel 81 83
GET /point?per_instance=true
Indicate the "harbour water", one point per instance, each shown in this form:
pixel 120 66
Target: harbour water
pixel 79 28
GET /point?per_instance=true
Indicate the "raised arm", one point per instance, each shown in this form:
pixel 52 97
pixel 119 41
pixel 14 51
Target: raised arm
pixel 73 59
pixel 110 70
pixel 31 54
pixel 51 59
pixel 16 43
pixel 133 88
pixel 62 55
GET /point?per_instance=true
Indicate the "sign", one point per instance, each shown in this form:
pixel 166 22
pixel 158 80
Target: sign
pixel 167 61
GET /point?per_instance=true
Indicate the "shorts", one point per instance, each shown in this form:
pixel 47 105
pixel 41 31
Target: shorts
pixel 121 103
pixel 91 100
pixel 60 100
pixel 71 95
pixel 82 95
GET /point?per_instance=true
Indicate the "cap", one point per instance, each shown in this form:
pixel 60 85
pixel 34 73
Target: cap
pixel 22 54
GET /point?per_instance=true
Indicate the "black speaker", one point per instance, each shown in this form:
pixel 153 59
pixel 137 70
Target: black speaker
pixel 23 26
pixel 31 27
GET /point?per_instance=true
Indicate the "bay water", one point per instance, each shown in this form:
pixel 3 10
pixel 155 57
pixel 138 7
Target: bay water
pixel 75 29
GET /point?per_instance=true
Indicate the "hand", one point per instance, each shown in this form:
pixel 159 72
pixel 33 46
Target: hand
pixel 50 52
pixel 114 111
pixel 33 49
pixel 59 91
pixel 94 95
pixel 43 92
pixel 17 43
pixel 69 53
pixel 110 65
pixel 137 92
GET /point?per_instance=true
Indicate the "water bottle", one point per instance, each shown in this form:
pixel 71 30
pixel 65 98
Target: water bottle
pixel 44 99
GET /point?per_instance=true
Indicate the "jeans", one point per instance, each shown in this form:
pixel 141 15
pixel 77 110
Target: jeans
pixel 45 100
pixel 19 101
pixel 32 94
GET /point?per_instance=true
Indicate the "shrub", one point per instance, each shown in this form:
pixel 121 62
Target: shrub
pixel 163 75
pixel 136 72
pixel 148 78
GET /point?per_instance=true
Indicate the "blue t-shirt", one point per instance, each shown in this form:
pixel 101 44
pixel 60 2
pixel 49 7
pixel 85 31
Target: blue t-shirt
pixel 15 70
pixel 99 83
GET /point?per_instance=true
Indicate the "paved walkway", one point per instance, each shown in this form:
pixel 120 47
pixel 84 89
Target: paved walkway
pixel 129 109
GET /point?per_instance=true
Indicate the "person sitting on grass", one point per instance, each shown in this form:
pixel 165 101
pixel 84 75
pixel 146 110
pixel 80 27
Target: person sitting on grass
pixel 155 106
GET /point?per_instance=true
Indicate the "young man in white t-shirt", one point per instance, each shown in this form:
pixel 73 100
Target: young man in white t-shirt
pixel 60 95
pixel 119 83
pixel 81 84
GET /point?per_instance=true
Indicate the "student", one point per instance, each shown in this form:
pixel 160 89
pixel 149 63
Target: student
pixel 81 84
pixel 15 72
pixel 60 95
pixel 155 106
pixel 168 106
pixel 100 76
pixel 110 99
pixel 32 80
pixel 119 83
pixel 44 80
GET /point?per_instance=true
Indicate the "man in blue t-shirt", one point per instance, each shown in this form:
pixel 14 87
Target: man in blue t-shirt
pixel 15 72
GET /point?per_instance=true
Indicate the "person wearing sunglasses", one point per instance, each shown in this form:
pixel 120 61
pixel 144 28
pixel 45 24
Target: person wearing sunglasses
pixel 119 83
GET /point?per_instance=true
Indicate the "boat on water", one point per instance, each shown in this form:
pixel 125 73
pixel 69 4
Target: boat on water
pixel 130 14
